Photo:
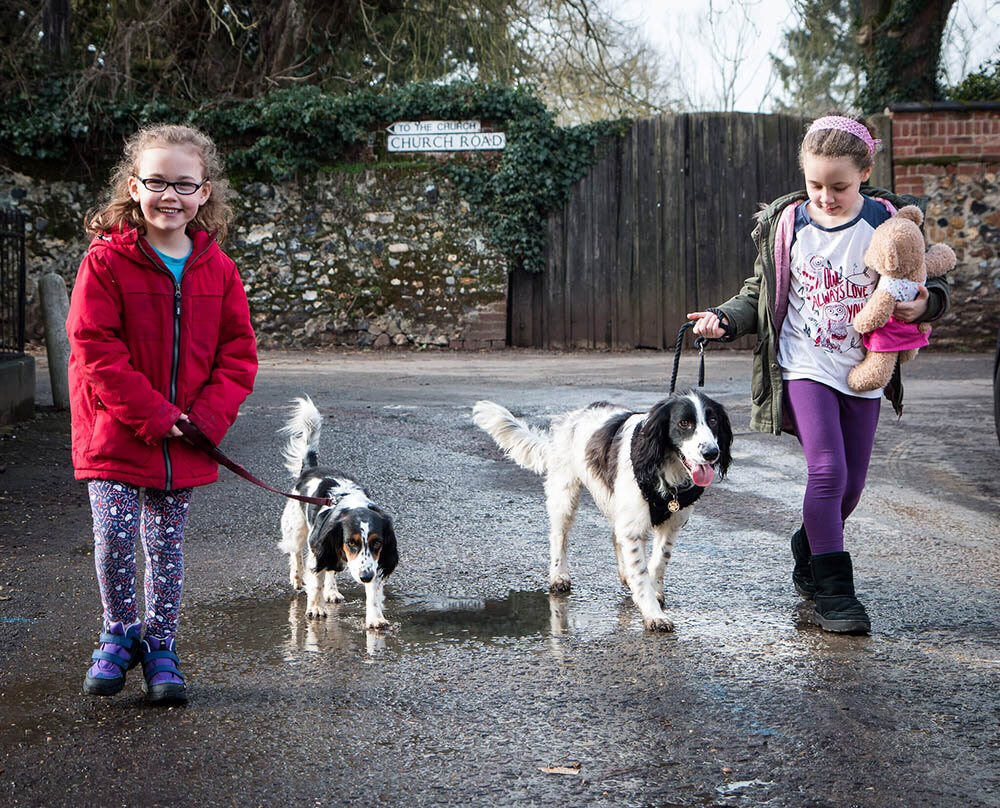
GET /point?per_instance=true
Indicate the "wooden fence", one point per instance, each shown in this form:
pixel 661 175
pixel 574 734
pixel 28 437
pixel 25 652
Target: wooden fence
pixel 660 227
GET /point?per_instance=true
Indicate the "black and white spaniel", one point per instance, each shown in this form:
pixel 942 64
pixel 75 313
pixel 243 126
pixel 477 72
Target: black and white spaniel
pixel 352 533
pixel 644 470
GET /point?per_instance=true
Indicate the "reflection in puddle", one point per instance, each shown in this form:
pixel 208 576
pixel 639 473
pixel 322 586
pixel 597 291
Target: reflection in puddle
pixel 431 619
pixel 278 625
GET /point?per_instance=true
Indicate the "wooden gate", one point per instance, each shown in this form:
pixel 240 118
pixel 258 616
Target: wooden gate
pixel 660 227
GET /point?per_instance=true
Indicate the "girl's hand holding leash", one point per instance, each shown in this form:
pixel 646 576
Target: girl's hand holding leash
pixel 174 431
pixel 708 324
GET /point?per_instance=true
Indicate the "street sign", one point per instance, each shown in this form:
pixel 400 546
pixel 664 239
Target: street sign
pixel 446 141
pixel 431 127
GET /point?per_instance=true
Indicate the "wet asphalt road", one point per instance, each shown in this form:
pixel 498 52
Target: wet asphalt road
pixel 483 679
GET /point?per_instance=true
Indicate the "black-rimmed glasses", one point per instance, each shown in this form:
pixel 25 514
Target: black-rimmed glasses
pixel 184 188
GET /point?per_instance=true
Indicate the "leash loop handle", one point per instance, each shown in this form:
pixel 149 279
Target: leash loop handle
pixel 677 354
pixel 200 441
pixel 700 343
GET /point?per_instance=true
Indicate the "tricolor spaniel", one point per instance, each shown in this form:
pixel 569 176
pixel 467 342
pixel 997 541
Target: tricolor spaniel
pixel 352 532
pixel 644 470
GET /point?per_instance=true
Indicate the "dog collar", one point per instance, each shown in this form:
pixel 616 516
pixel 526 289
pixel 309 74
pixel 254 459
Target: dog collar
pixel 662 508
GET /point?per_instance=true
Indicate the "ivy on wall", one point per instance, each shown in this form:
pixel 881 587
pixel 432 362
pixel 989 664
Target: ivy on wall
pixel 299 130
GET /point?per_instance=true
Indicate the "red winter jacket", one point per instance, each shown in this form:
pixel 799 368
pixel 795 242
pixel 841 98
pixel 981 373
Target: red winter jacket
pixel 144 349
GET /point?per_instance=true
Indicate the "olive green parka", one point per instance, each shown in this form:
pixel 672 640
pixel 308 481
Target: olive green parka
pixel 760 306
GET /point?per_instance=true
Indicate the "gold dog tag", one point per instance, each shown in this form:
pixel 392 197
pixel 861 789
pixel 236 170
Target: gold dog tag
pixel 673 506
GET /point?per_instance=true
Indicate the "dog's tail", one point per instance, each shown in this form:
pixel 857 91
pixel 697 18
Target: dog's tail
pixel 524 445
pixel 303 429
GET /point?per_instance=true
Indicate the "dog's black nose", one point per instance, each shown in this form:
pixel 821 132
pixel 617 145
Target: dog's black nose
pixel 710 453
pixel 366 577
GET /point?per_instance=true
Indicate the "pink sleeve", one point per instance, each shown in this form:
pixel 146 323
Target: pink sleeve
pixel 782 262
pixel 888 205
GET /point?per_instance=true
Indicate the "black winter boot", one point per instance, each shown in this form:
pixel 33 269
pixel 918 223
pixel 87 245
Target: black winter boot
pixel 802 576
pixel 837 607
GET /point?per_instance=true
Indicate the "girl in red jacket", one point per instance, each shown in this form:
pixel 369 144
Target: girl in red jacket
pixel 159 330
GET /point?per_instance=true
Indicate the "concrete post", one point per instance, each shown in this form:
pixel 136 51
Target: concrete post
pixel 55 309
pixel 882 174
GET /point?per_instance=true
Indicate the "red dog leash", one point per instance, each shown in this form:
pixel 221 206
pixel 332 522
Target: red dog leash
pixel 198 439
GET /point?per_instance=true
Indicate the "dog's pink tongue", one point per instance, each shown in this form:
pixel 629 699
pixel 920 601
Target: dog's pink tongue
pixel 702 474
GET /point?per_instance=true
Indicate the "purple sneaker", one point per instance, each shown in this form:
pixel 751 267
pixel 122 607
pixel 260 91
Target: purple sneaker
pixel 164 682
pixel 118 653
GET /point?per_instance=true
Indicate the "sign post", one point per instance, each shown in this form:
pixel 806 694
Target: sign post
pixel 438 136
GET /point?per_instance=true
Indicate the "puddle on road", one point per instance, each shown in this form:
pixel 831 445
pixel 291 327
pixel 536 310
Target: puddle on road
pixel 275 630
pixel 277 627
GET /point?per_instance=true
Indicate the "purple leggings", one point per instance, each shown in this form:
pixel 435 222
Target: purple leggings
pixel 836 432
pixel 121 512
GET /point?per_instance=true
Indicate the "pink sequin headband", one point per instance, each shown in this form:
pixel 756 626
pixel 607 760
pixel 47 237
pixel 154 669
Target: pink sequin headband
pixel 846 125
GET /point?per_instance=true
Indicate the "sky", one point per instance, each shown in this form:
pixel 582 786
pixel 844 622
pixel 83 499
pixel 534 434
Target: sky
pixel 677 27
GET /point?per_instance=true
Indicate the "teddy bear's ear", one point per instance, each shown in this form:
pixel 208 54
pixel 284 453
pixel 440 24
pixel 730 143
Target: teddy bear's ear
pixel 939 259
pixel 913 213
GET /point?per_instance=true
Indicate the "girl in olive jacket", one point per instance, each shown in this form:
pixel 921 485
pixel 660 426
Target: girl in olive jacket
pixel 809 281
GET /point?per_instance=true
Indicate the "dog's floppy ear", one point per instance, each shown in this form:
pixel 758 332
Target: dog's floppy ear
pixel 651 444
pixel 388 558
pixel 725 438
pixel 326 540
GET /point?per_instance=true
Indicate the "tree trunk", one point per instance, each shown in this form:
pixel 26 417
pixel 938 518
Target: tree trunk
pixel 287 28
pixel 901 42
pixel 55 25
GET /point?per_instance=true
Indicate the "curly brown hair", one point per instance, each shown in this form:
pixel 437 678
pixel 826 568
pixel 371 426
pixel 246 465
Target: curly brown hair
pixel 120 209
pixel 837 143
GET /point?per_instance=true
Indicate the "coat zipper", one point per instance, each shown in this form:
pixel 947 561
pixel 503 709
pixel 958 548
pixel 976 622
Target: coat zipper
pixel 175 353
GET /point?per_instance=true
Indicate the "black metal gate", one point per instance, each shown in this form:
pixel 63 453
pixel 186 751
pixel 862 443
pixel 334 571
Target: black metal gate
pixel 12 282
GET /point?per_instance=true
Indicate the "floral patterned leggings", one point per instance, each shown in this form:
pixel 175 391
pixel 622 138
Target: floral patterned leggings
pixel 121 512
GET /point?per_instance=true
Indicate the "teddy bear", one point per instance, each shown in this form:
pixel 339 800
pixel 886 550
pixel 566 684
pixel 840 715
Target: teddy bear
pixel 897 254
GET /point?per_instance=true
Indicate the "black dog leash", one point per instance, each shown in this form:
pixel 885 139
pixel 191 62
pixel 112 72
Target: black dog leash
pixel 699 343
pixel 199 440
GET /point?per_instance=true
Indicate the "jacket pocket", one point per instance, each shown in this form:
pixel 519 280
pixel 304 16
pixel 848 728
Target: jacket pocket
pixel 206 316
pixel 760 385
pixel 113 444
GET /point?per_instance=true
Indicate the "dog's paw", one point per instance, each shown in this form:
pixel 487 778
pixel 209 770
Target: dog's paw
pixel 296 582
pixel 316 611
pixel 658 624
pixel 377 623
pixel 333 597
pixel 559 583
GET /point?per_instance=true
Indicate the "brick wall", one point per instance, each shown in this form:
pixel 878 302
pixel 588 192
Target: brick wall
pixel 485 328
pixel 950 153
pixel 940 139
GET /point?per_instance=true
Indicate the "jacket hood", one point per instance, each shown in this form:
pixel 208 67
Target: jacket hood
pixel 130 244
pixel 770 211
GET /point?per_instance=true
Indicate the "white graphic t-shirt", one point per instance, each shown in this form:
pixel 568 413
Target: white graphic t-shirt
pixel 828 285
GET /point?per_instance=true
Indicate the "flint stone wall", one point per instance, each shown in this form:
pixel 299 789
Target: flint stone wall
pixel 963 211
pixel 371 257
pixel 950 153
